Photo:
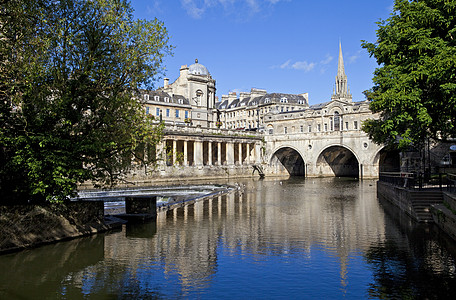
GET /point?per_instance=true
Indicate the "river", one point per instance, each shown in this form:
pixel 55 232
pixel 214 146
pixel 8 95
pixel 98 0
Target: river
pixel 278 239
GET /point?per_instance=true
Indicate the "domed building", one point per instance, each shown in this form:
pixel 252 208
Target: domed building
pixel 189 99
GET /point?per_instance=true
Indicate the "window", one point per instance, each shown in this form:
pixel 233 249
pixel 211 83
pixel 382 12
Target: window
pixel 281 109
pixel 271 131
pixel 326 127
pixel 336 121
pixel 177 113
pixel 186 114
pixel 267 100
pixel 355 125
pixel 199 97
pixel 156 98
pixel 166 99
pixel 331 124
pixel 146 97
pixel 284 100
pixel 157 111
pixel 147 110
pixel 302 128
pixel 180 101
pixel 285 130
pixel 310 128
pixel 167 112
pixel 319 127
pixel 346 125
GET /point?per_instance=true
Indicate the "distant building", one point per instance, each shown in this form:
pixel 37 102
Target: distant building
pixel 339 114
pixel 190 99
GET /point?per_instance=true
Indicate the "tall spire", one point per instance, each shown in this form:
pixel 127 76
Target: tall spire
pixel 342 91
pixel 340 66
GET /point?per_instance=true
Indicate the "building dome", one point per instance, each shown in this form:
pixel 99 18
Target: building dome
pixel 198 69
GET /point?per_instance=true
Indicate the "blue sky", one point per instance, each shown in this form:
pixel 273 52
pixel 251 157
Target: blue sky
pixel 284 46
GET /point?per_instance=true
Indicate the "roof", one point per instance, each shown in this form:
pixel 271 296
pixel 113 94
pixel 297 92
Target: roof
pixel 198 69
pixel 160 96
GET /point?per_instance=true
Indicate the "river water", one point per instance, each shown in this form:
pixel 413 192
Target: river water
pixel 278 239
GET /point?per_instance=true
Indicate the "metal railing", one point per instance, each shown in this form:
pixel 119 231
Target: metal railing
pixel 420 180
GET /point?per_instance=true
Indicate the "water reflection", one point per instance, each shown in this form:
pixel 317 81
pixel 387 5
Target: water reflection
pixel 314 238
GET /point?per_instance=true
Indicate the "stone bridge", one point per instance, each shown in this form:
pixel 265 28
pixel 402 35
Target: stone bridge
pixel 324 154
pixel 189 152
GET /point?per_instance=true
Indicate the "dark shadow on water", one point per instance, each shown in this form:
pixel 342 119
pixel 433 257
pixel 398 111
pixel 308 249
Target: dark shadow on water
pixel 422 267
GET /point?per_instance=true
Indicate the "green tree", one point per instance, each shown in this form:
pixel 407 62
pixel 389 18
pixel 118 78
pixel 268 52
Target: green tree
pixel 414 88
pixel 70 76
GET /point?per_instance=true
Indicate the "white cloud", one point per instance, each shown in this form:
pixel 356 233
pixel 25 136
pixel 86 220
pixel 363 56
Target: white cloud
pixel 285 64
pixel 197 8
pixel 192 9
pixel 298 65
pixel 327 60
pixel 303 65
pixel 353 58
pixel 154 8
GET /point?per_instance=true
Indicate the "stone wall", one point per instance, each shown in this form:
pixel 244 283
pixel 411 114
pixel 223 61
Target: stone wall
pixel 444 214
pixel 188 173
pixel 400 197
pixel 25 226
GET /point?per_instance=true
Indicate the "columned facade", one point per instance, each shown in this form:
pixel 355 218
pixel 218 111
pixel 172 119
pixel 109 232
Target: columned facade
pixel 199 150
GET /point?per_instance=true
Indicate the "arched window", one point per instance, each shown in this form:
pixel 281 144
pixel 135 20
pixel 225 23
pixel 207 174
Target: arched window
pixel 336 121
pixel 199 97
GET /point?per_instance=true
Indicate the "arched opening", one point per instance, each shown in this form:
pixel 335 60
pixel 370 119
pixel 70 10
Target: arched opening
pixel 389 161
pixel 288 160
pixel 338 161
pixel 199 98
pixel 336 121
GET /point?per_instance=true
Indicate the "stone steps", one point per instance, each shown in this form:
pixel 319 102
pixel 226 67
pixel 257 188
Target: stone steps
pixel 422 201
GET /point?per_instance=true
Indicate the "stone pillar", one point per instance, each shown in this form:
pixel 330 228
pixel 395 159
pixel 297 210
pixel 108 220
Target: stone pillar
pixel 185 153
pixel 141 205
pixel 160 154
pixel 257 153
pixel 198 153
pixel 240 153
pixel 229 153
pixel 247 157
pixel 219 153
pixel 209 153
pixel 174 152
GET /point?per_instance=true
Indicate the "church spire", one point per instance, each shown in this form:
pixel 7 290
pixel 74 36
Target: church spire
pixel 340 66
pixel 342 91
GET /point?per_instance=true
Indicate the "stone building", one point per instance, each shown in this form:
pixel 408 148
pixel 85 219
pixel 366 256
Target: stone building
pixel 278 131
pixel 338 114
pixel 247 111
pixel 190 99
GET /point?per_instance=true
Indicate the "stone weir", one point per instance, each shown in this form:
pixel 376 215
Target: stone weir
pixel 27 226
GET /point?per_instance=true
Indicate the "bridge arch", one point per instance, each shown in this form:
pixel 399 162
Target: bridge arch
pixel 287 159
pixel 338 160
pixel 387 160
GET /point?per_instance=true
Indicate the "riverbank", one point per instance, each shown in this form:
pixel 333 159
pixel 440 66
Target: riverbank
pixel 26 226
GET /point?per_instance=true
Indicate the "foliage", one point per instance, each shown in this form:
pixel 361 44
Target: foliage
pixel 70 70
pixel 414 88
